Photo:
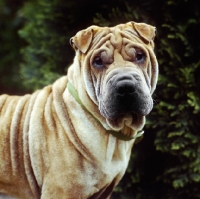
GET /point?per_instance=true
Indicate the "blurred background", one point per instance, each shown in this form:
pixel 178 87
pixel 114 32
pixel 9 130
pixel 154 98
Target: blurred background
pixel 35 50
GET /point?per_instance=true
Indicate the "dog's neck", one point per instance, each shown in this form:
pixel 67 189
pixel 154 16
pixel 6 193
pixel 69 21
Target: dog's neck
pixel 116 134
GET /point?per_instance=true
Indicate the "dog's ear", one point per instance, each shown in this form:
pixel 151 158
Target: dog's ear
pixel 147 32
pixel 82 40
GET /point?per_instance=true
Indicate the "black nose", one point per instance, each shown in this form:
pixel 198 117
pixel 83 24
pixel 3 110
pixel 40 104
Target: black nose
pixel 125 88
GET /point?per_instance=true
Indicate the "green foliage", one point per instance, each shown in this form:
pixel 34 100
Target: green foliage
pixel 10 22
pixel 46 56
pixel 176 116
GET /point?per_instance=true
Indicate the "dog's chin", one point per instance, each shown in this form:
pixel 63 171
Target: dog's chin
pixel 118 119
pixel 135 122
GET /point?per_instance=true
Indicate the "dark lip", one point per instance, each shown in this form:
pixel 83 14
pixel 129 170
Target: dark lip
pixel 135 118
pixel 124 115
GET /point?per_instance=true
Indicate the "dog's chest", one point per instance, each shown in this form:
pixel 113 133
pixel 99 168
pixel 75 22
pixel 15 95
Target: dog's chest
pixel 109 172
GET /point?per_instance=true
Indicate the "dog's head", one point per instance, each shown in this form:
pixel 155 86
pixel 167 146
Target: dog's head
pixel 119 70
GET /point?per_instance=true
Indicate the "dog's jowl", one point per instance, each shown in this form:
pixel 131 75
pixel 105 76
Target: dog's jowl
pixel 73 139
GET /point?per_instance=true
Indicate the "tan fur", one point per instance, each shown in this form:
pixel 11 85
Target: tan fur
pixel 50 147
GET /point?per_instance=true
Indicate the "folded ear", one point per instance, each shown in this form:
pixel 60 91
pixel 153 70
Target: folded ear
pixel 147 32
pixel 82 40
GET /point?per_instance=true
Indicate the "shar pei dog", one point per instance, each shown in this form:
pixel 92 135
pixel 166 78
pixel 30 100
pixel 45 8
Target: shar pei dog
pixel 73 139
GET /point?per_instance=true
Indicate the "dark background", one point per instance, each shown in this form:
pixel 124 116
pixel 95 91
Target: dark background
pixel 35 50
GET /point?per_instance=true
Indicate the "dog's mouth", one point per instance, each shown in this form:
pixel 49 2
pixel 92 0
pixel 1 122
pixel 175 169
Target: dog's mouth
pixel 132 120
pixel 120 117
pixel 125 101
pixel 119 107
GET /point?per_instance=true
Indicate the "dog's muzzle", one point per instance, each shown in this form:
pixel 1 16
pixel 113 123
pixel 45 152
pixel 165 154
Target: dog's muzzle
pixel 125 93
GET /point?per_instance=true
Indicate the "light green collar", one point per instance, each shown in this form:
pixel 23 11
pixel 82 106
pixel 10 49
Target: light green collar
pixel 116 134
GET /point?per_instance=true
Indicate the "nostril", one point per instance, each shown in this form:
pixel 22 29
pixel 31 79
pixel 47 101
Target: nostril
pixel 125 89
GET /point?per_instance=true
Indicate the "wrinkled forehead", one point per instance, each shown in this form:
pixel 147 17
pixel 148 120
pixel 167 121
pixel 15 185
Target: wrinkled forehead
pixel 115 34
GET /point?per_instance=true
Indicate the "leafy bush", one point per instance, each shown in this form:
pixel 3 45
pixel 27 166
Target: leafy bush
pixel 11 21
pixel 176 117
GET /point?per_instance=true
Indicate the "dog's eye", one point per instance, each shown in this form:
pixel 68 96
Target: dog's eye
pixel 98 63
pixel 140 56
